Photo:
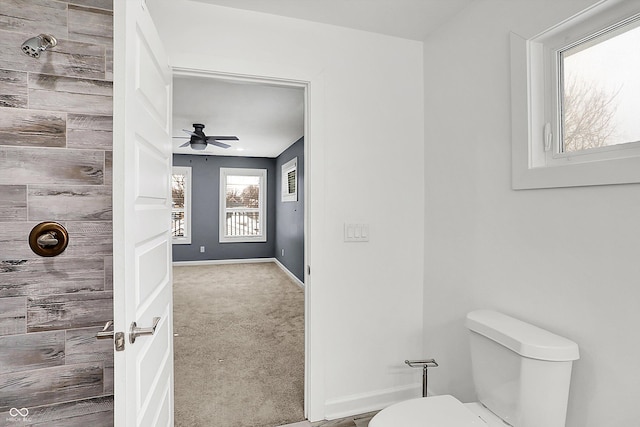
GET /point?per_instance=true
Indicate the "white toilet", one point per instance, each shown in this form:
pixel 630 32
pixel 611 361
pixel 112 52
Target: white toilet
pixel 521 375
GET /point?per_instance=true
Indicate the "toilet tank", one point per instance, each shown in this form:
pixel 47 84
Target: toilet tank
pixel 521 372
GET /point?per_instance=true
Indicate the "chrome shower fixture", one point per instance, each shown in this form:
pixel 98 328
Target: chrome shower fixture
pixel 35 45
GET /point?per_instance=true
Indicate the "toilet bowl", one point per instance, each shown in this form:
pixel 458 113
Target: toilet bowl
pixel 436 411
pixel 521 375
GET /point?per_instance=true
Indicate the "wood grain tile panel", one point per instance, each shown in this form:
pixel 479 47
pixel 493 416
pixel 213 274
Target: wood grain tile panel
pixel 13 316
pixel 13 89
pixel 13 203
pixel 108 273
pixel 68 58
pixel 43 166
pixel 19 15
pixel 50 385
pixel 108 380
pixel 82 346
pixel 97 419
pixel 108 168
pixel 100 4
pixel 91 237
pixel 51 276
pixel 108 70
pixel 30 128
pixel 31 351
pixel 73 95
pixel 69 202
pixel 14 244
pixel 91 25
pixel 69 311
pixel 53 415
pixel 89 132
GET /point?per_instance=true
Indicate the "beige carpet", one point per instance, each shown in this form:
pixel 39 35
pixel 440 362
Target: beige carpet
pixel 239 346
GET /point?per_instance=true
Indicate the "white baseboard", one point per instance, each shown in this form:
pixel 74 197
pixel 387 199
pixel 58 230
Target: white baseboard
pixel 224 261
pixel 289 273
pixel 367 402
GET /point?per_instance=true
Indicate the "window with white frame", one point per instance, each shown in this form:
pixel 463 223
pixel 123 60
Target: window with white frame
pixel 575 100
pixel 243 195
pixel 181 205
pixel 290 181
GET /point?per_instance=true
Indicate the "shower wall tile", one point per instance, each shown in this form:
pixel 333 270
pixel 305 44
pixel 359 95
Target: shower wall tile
pixel 89 132
pixel 90 237
pixel 59 275
pixel 13 203
pixel 68 58
pixel 42 166
pixel 13 316
pixel 50 385
pixel 72 95
pixel 13 89
pixel 68 414
pixel 14 243
pixel 82 346
pixel 101 4
pixel 108 273
pixel 34 17
pixel 69 202
pixel 91 25
pixel 108 168
pixel 31 351
pixel 56 164
pixel 69 311
pixel 28 128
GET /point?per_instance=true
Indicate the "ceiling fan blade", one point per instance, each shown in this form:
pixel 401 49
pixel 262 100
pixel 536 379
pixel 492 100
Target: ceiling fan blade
pixel 219 144
pixel 186 144
pixel 224 138
pixel 191 133
pixel 181 137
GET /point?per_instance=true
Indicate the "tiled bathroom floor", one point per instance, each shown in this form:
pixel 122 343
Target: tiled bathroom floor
pixel 356 421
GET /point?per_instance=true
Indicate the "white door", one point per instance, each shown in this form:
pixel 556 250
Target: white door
pixel 142 278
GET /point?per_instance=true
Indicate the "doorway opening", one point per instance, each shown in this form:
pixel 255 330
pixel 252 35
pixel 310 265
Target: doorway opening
pixel 191 88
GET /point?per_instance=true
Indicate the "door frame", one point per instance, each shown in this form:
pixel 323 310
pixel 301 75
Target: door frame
pixel 313 378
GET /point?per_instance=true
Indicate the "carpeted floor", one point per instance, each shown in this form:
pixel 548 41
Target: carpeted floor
pixel 239 346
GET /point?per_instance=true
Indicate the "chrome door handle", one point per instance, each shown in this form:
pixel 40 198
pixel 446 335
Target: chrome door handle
pixel 135 332
pixel 118 337
pixel 105 332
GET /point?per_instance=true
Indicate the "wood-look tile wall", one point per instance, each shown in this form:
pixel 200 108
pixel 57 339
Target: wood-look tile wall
pixel 55 165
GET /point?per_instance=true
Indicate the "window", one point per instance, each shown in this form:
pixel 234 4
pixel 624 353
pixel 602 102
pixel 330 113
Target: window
pixel 181 205
pixel 243 195
pixel 575 97
pixel 290 181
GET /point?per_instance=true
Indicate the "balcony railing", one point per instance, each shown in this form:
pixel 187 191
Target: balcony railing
pixel 243 223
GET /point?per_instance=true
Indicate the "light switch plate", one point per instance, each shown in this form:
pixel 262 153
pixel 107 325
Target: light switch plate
pixel 356 232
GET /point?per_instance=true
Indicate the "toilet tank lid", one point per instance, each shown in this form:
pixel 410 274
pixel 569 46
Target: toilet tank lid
pixel 523 338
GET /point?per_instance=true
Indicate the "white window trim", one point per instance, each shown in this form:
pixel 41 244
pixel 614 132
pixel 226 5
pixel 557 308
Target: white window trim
pixel 531 108
pixel 262 173
pixel 186 171
pixel 291 165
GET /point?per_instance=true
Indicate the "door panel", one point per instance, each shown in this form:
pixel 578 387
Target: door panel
pixel 142 227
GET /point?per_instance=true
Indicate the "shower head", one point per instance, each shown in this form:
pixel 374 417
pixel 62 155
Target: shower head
pixel 35 45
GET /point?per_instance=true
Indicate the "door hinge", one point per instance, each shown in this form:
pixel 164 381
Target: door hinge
pixel 308 270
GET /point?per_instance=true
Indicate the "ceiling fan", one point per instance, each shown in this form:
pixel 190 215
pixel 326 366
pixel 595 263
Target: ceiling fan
pixel 199 140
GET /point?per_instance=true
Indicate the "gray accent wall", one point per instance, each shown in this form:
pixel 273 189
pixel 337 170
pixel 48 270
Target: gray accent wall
pixel 55 165
pixel 285 220
pixel 290 215
pixel 205 215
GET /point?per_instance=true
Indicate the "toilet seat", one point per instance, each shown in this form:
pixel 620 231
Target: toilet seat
pixel 435 411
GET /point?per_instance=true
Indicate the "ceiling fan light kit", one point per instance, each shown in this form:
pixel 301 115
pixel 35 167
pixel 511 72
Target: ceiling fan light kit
pixel 199 140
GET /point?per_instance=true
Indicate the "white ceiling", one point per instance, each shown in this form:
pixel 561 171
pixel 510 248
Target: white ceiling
pixel 266 119
pixel 410 19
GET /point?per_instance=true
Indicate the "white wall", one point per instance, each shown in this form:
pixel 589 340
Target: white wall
pixel 564 259
pixel 366 142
